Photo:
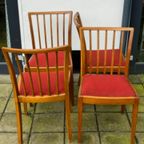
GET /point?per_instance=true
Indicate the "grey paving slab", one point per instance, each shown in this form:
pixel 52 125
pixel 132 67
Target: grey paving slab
pixel 86 108
pixel 8 123
pixel 115 138
pixel 139 89
pixel 134 79
pixel 3 102
pixel 108 108
pixel 11 138
pixel 113 122
pixel 141 77
pixel 140 122
pixel 5 90
pixel 50 107
pixel 76 89
pixel 140 107
pixel 140 137
pixel 76 77
pixel 47 138
pixel 11 106
pixel 48 122
pixel 88 122
pixel 87 138
pixel 4 79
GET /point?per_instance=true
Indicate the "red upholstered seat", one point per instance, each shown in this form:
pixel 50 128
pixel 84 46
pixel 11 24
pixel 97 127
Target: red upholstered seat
pixel 106 85
pixel 43 76
pixel 51 58
pixel 93 61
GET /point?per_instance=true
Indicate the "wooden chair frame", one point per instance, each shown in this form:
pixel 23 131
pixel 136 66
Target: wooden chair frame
pixel 78 24
pixel 50 40
pixel 119 69
pixel 39 98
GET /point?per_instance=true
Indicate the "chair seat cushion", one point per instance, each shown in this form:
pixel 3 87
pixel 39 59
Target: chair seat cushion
pixel 51 59
pixel 106 86
pixel 93 61
pixel 44 83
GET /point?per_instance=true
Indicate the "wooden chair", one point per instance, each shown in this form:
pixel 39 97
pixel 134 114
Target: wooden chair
pixel 78 24
pixel 51 29
pixel 104 70
pixel 37 85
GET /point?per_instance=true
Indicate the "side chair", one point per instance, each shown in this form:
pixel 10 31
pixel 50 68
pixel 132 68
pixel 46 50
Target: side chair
pixel 37 85
pixel 79 24
pixel 104 70
pixel 52 29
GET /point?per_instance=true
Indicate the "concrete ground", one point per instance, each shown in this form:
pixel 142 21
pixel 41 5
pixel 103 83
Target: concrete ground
pixel 46 122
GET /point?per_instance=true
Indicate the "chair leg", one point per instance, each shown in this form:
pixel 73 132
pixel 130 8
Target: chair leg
pixel 68 121
pixel 134 121
pixel 80 109
pixel 25 108
pixel 71 88
pixel 31 104
pixel 19 123
pixel 122 108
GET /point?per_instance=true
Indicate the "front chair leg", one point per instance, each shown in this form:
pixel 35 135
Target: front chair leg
pixel 80 109
pixel 134 121
pixel 68 120
pixel 71 88
pixel 19 122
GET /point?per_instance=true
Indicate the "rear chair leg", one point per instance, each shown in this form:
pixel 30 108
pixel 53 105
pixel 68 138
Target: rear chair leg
pixel 19 122
pixel 122 108
pixel 134 121
pixel 80 109
pixel 71 89
pixel 68 120
pixel 25 108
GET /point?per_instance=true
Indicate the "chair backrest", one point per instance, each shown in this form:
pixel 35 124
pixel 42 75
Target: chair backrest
pixel 36 81
pixel 77 22
pixel 106 49
pixel 50 29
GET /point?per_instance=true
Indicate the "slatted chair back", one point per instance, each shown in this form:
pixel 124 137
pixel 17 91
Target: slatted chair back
pixel 77 22
pixel 50 29
pixel 36 85
pixel 105 49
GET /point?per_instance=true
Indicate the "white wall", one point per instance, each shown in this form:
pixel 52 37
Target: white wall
pixel 93 13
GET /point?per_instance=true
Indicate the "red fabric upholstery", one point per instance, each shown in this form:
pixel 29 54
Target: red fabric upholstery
pixel 93 62
pixel 44 81
pixel 51 58
pixel 106 85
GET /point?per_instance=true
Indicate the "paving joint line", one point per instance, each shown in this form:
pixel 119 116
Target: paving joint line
pixel 6 104
pixel 30 131
pixel 99 135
